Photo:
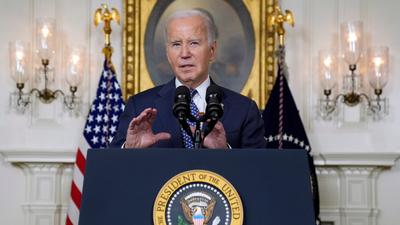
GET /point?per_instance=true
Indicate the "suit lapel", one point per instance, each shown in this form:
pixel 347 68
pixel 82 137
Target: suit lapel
pixel 164 104
pixel 224 102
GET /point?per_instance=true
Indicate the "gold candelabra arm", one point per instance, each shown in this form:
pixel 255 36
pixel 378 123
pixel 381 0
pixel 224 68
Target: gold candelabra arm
pixel 104 14
pixel 277 19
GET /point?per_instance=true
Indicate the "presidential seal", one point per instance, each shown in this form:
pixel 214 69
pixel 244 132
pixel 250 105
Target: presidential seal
pixel 198 197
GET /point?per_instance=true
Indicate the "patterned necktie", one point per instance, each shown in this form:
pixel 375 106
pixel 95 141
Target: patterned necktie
pixel 187 140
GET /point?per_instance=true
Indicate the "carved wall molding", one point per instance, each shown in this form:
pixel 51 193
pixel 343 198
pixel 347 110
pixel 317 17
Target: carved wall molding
pixel 348 184
pixel 48 179
pixel 381 159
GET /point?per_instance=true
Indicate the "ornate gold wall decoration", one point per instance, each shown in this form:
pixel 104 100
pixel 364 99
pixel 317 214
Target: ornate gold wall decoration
pixel 144 16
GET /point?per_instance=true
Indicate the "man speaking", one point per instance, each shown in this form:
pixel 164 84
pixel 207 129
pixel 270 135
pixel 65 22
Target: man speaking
pixel 151 118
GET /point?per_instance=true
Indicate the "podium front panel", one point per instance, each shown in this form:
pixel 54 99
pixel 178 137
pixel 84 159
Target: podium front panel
pixel 121 186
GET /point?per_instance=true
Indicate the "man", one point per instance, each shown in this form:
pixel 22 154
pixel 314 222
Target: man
pixel 148 120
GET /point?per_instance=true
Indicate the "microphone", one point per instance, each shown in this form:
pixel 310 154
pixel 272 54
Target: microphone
pixel 181 107
pixel 214 109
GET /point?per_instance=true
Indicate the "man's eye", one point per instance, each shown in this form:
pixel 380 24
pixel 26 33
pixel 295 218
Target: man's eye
pixel 194 43
pixel 175 44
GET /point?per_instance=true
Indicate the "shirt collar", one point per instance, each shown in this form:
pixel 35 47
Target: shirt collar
pixel 201 89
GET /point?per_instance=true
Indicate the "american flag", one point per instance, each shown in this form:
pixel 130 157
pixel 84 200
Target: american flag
pixel 100 128
pixel 283 126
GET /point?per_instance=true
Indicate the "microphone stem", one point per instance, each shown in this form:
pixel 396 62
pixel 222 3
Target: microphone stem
pixel 210 126
pixel 197 136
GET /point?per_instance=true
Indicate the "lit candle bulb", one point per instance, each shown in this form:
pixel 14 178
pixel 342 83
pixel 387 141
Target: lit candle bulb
pixel 19 61
pixel 352 39
pixel 45 31
pixel 377 61
pixel 19 55
pixel 75 59
pixel 74 64
pixel 328 61
pixel 327 69
pixel 19 65
pixel 351 34
pixel 45 34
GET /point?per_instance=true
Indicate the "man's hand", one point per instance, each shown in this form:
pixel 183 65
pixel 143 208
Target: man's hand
pixel 216 138
pixel 140 133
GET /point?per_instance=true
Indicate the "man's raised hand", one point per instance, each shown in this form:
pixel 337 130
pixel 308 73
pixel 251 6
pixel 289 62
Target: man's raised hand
pixel 140 133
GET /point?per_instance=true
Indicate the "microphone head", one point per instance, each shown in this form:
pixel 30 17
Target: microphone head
pixel 214 108
pixel 181 107
pixel 213 91
pixel 182 92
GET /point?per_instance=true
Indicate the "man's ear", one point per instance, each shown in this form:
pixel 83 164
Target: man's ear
pixel 213 51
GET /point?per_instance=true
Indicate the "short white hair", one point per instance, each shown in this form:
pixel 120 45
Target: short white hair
pixel 212 31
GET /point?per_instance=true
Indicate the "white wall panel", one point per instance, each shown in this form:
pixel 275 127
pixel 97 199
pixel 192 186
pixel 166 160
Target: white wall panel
pixel 389 196
pixel 12 194
pixel 322 30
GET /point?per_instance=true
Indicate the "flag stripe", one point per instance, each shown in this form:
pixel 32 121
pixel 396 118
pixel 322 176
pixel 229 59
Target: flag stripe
pixel 76 195
pixel 73 214
pixel 78 178
pixel 80 161
pixel 69 222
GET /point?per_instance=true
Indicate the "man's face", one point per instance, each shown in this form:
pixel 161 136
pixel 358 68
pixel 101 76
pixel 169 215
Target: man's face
pixel 188 51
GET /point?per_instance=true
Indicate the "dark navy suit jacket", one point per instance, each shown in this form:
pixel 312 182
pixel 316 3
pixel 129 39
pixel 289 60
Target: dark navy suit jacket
pixel 242 120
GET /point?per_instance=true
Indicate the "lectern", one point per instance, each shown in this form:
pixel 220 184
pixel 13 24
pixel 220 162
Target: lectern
pixel 180 186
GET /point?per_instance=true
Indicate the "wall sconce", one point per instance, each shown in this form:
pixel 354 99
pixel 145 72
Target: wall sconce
pixel 352 94
pixel 44 76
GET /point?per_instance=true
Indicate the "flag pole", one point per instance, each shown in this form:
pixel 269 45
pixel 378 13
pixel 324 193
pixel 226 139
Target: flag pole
pixel 105 15
pixel 276 21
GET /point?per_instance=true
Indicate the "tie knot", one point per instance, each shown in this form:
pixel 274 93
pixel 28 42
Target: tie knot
pixel 193 92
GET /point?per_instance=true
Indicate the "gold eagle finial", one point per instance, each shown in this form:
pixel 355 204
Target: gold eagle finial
pixel 277 19
pixel 104 14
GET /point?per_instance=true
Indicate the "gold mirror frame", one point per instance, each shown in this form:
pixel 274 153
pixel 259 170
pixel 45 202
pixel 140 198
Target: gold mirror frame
pixel 136 77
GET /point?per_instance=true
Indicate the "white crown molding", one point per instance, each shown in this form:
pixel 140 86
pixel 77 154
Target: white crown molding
pixel 387 159
pixel 38 156
pixel 42 208
pixel 379 159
